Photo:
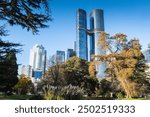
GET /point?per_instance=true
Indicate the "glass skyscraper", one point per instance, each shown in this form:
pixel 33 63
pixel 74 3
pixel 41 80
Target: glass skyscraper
pixel 96 27
pixel 70 53
pixel 60 56
pixel 81 33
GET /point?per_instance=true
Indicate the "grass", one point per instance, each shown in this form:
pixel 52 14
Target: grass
pixel 135 99
pixel 29 97
pixel 15 97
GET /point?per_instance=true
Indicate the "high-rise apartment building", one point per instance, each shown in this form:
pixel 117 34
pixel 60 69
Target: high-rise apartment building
pixel 38 60
pixel 81 34
pixel 96 27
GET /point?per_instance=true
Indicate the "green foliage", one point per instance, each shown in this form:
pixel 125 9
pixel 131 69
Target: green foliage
pixel 76 71
pixel 90 85
pixel 105 88
pixel 50 95
pixel 8 47
pixel 119 95
pixel 24 85
pixel 73 72
pixel 24 13
pixel 8 72
pixel 15 97
pixel 29 14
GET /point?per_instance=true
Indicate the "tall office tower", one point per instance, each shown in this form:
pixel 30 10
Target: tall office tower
pixel 26 70
pixel 70 53
pixel 81 35
pixel 38 60
pixel 146 53
pixel 96 27
pixel 60 56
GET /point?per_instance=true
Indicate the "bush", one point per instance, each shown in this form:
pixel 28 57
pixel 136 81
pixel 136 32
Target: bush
pixel 119 95
pixel 72 92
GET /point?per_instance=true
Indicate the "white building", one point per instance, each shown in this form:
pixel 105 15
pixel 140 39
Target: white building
pixel 37 60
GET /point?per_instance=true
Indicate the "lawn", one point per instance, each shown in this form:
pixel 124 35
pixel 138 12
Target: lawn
pixel 135 99
pixel 32 97
pixel 15 97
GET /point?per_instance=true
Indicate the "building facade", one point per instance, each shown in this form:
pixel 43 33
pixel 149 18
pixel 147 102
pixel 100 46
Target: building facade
pixel 38 59
pixel 81 35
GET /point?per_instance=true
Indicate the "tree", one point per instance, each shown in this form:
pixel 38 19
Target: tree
pixel 53 80
pixel 125 62
pixel 8 72
pixel 30 14
pixel 54 73
pixel 92 69
pixel 24 85
pixel 76 71
pixel 7 47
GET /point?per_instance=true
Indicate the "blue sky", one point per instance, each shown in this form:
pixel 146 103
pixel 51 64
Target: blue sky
pixel 131 17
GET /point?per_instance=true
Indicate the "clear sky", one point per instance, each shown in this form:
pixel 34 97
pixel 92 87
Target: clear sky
pixel 131 17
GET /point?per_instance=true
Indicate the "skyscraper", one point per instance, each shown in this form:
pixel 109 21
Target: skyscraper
pixel 60 56
pixel 38 59
pixel 81 35
pixel 70 53
pixel 96 27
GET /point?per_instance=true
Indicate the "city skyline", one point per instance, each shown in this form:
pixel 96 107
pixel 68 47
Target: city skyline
pixel 129 17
